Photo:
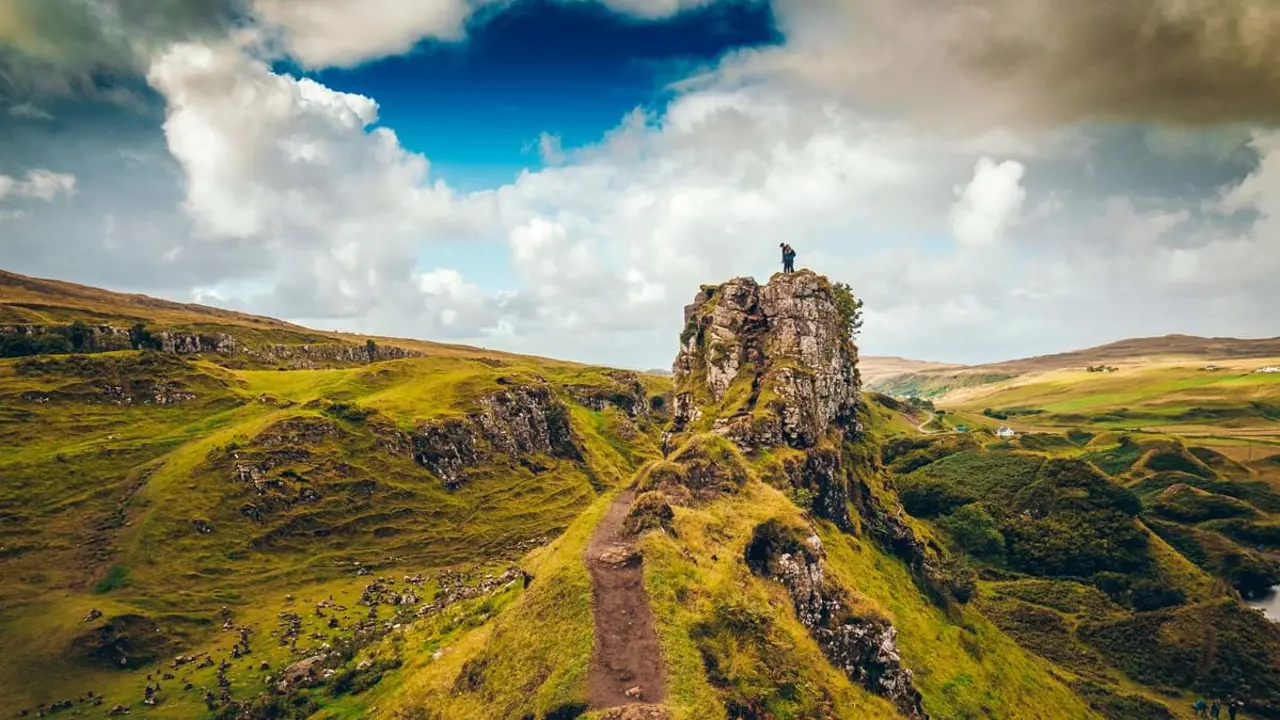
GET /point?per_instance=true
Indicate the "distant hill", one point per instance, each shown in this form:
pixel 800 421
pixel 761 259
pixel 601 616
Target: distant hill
pixel 1147 349
pixel 32 300
pixel 875 368
pixel 934 379
pixel 45 303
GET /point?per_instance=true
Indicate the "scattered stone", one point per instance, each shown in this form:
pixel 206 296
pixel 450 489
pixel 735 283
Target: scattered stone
pixel 301 673
pixel 94 614
pixel 619 555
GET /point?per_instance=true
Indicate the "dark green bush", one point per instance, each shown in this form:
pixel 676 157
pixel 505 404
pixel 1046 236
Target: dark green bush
pixel 975 530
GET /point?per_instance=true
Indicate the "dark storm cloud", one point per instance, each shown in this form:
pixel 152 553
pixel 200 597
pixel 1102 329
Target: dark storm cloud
pixel 88 48
pixel 1044 61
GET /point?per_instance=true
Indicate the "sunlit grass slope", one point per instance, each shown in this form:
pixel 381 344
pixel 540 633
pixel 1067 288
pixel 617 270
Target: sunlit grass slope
pixel 125 491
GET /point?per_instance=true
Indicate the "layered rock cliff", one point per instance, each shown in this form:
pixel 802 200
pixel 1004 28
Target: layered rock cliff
pixel 306 356
pixel 518 422
pixel 766 365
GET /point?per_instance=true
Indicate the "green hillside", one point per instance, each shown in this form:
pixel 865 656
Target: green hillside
pixel 217 515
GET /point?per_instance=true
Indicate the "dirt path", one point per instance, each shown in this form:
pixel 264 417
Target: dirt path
pixel 627 654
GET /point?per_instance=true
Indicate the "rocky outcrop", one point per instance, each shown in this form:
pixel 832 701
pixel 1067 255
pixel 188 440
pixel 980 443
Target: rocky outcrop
pixel 100 338
pixel 187 343
pixel 625 392
pixel 939 576
pixel 180 342
pixel 773 363
pixel 821 472
pixel 447 447
pixel 520 421
pixel 307 357
pixel 862 646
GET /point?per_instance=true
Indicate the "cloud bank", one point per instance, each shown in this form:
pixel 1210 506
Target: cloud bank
pixel 956 172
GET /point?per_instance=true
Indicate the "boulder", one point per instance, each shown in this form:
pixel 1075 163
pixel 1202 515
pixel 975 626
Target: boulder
pixel 302 673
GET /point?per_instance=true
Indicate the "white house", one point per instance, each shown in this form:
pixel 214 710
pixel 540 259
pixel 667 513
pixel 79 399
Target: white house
pixel 1005 432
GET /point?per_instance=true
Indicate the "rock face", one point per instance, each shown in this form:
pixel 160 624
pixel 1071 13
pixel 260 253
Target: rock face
pixel 523 420
pixel 178 342
pixel 627 394
pixel 773 363
pixel 862 646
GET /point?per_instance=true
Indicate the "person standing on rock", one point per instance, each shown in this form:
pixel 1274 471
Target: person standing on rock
pixel 788 258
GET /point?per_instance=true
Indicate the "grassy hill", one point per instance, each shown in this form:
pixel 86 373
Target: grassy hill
pixel 155 488
pixel 925 380
pixel 238 517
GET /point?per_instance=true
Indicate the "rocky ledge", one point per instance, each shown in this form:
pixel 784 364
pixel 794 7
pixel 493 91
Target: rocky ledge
pixel 520 421
pixel 862 646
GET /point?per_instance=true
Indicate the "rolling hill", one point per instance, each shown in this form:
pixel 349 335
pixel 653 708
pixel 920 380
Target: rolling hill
pixel 210 514
pixel 906 377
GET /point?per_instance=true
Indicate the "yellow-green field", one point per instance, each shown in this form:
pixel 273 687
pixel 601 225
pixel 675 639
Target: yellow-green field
pixel 1230 407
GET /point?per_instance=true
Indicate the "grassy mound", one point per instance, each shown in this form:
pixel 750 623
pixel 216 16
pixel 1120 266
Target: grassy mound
pixel 705 467
pixel 1188 504
pixel 650 511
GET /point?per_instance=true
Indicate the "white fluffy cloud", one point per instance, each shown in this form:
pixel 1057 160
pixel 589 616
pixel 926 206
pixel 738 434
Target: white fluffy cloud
pixel 981 243
pixel 989 204
pixel 608 244
pixel 37 184
pixel 337 208
pixel 322 33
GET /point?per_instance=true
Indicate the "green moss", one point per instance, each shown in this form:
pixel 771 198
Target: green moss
pixel 975 474
pixel 1062 595
pixel 1116 460
pixel 1043 632
pixel 117 577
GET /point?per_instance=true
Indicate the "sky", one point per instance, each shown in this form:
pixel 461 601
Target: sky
pixel 995 178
